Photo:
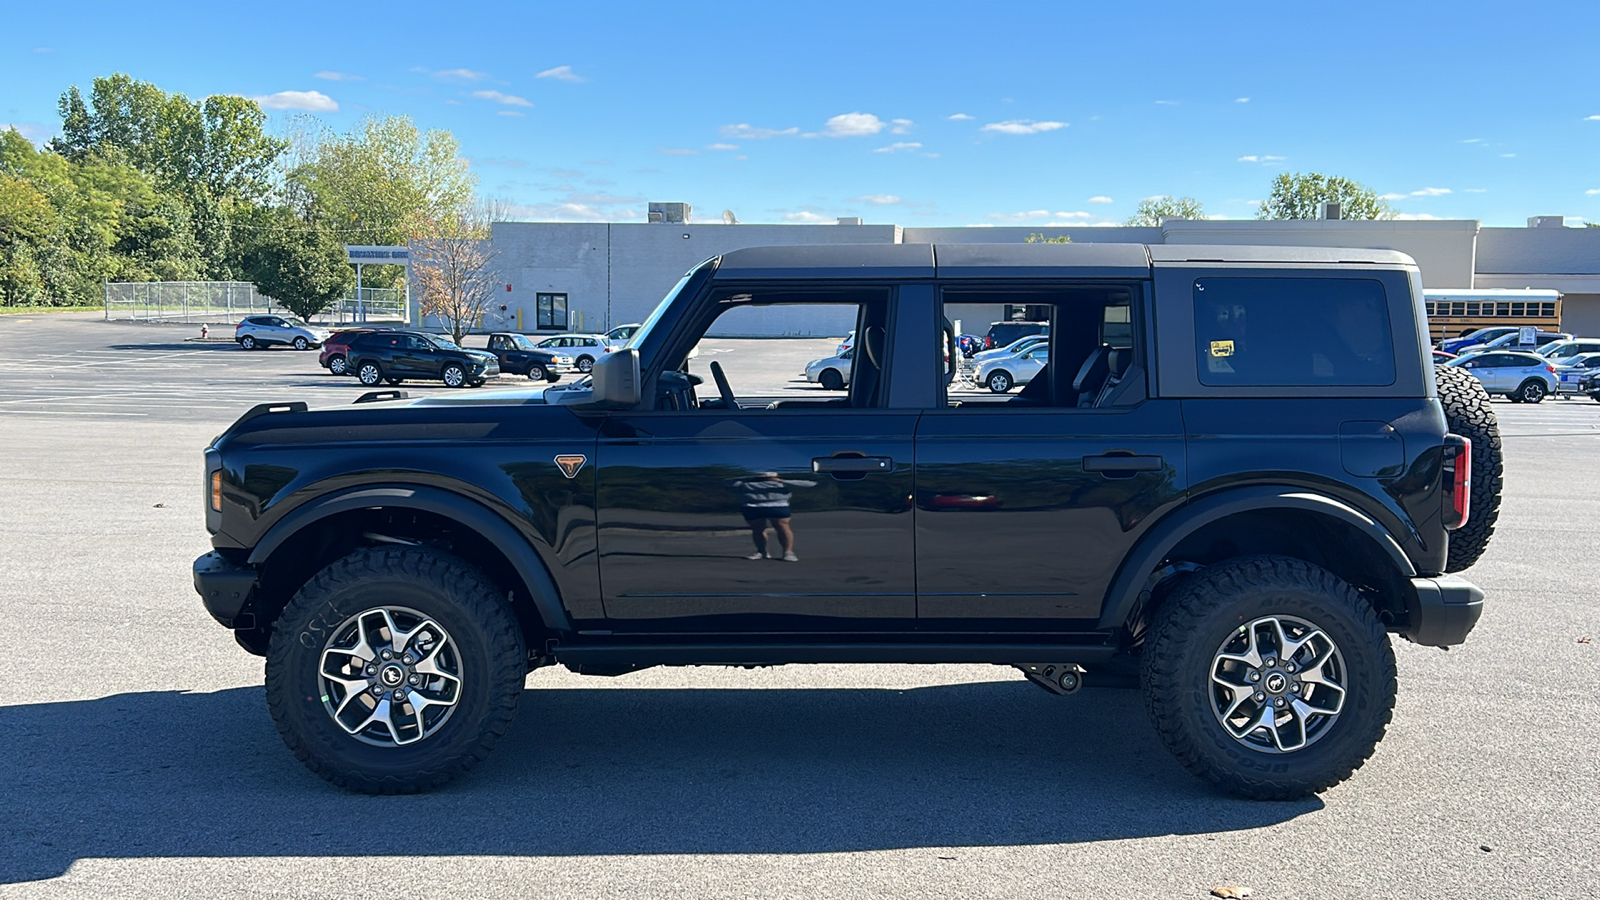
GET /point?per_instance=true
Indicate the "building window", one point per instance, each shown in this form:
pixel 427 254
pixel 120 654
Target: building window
pixel 552 310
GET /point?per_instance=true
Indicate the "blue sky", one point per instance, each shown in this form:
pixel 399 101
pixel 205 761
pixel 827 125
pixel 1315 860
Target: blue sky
pixel 921 114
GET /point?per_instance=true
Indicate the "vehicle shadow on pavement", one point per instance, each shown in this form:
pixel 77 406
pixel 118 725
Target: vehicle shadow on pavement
pixel 613 770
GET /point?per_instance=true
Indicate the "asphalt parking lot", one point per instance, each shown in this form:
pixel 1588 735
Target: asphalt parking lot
pixel 137 758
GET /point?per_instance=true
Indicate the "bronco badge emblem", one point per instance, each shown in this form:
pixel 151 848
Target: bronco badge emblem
pixel 570 463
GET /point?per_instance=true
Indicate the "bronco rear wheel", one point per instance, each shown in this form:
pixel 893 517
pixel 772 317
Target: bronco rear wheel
pixel 1269 677
pixel 394 670
pixel 1468 413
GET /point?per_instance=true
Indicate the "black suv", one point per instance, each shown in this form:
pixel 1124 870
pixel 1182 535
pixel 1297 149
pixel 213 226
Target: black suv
pixel 1236 477
pixel 394 356
pixel 1002 334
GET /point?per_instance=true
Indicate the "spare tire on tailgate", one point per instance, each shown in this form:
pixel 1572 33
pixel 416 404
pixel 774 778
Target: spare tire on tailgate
pixel 1467 412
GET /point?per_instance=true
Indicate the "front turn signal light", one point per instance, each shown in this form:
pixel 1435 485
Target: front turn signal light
pixel 216 491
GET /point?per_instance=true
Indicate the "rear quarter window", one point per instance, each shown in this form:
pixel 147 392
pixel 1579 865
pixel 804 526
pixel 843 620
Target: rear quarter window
pixel 1293 331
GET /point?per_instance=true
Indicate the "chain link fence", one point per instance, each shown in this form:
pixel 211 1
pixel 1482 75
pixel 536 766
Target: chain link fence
pixel 227 302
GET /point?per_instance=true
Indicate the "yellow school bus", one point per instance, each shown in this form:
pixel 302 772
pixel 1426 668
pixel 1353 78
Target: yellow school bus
pixel 1454 313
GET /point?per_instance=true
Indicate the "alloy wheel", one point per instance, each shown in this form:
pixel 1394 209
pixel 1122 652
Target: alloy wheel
pixel 390 676
pixel 1278 684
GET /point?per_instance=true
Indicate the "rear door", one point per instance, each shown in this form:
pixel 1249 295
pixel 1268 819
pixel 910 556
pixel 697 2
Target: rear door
pixel 1027 503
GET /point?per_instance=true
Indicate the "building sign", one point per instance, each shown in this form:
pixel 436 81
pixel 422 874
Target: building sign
pixel 378 256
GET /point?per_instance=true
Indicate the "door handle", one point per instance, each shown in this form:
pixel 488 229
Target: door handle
pixel 855 465
pixel 1122 466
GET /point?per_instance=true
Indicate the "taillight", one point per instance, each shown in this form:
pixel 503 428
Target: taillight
pixel 1458 480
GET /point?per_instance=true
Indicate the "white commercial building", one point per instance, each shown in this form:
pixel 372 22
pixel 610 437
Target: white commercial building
pixel 592 277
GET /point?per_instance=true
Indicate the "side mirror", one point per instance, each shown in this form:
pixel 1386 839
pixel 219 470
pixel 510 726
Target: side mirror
pixel 613 384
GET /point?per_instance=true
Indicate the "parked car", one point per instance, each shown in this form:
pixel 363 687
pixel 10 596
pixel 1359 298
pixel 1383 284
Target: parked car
pixel 1519 376
pixel 969 344
pixel 1559 352
pixel 585 348
pixel 1590 384
pixel 518 356
pixel 620 335
pixel 394 356
pixel 1513 342
pixel 1003 333
pixel 832 372
pixel 1571 371
pixel 848 342
pixel 1013 348
pixel 1481 336
pixel 335 355
pixel 1002 373
pixel 264 331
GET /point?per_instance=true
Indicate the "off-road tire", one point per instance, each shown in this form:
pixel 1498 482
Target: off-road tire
pixel 465 604
pixel 1188 628
pixel 1468 413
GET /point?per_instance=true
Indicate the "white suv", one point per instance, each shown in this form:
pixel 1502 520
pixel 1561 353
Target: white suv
pixel 264 331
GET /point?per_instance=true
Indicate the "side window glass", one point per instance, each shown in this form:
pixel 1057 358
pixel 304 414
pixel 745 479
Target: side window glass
pixel 776 349
pixel 1067 347
pixel 1292 331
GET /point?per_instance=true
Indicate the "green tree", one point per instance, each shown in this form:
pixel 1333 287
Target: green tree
pixel 298 263
pixel 27 224
pixel 1041 239
pixel 1152 210
pixel 384 183
pixel 1300 196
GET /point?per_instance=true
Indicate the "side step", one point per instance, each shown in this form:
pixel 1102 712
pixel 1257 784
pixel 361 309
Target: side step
pixel 608 657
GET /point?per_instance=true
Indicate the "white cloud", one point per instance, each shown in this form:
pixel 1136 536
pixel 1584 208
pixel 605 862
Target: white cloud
pixel 570 212
pixel 722 146
pixel 507 99
pixel 1415 217
pixel 901 126
pixel 309 101
pixel 1591 118
pixel 1154 197
pixel 856 124
pixel 1261 159
pixel 1431 192
pixel 1037 215
pixel 899 146
pixel 1022 126
pixel 560 73
pixel 959 117
pixel 879 199
pixel 1391 196
pixel 751 133
pixel 460 74
pixel 35 133
pixel 326 75
pixel 1101 199
pixel 1592 191
pixel 805 217
pixel 678 151
pixel 1166 103
pixel 1473 141
pixel 1507 155
pixel 510 112
pixel 1241 99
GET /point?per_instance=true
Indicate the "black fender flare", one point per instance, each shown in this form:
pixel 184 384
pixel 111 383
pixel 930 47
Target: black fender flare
pixel 474 515
pixel 1128 590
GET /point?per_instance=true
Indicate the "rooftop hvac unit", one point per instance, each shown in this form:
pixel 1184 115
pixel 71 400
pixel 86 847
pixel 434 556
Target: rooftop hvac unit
pixel 669 213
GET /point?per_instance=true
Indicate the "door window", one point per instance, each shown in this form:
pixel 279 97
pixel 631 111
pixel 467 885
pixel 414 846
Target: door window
pixel 551 310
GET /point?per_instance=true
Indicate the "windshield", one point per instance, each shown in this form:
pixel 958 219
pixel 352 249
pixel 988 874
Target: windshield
pixel 521 342
pixel 444 341
pixel 639 336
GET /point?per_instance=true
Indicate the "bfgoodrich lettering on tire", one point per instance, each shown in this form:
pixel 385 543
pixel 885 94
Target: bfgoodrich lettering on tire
pixel 394 670
pixel 1268 677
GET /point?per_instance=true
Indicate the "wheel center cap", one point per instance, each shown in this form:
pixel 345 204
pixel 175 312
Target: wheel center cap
pixel 391 676
pixel 1276 682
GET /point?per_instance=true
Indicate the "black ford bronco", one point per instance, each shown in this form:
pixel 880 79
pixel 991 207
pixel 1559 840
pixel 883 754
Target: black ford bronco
pixel 1237 475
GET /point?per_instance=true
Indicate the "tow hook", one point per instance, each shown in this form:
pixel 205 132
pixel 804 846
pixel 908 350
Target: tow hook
pixel 1057 678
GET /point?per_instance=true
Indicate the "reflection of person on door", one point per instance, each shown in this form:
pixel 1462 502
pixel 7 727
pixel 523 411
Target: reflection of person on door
pixel 765 503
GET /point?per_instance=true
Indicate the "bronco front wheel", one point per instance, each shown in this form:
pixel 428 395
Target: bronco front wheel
pixel 1269 677
pixel 394 670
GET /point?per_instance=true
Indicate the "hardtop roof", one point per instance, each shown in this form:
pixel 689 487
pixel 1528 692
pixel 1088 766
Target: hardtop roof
pixel 1040 260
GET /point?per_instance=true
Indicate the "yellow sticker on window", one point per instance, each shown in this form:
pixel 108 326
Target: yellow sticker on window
pixel 1222 348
